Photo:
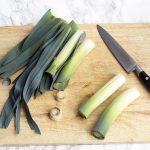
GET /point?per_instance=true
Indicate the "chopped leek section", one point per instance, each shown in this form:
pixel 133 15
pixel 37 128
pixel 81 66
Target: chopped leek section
pixel 72 64
pixel 64 53
pixel 113 111
pixel 101 95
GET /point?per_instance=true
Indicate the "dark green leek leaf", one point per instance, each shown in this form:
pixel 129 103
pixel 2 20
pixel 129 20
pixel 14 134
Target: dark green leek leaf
pixel 18 111
pixel 20 55
pixel 30 39
pixel 15 98
pixel 31 122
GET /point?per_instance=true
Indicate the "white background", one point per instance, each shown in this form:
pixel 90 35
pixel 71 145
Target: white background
pixel 20 12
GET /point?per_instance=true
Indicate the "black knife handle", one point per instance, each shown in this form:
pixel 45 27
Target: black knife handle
pixel 143 77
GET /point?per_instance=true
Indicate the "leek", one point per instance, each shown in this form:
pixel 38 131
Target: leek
pixel 37 53
pixel 70 67
pixel 101 95
pixel 52 50
pixel 113 111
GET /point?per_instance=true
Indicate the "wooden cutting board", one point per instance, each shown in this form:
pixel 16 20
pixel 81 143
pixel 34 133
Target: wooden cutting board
pixel 132 126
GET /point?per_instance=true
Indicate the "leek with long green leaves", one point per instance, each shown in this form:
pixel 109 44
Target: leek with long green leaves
pixel 72 64
pixel 112 112
pixel 101 95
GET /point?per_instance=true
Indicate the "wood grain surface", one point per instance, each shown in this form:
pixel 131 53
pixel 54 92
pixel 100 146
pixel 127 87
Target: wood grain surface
pixel 132 126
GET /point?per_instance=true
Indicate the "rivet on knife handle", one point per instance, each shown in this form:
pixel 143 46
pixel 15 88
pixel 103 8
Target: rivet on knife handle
pixel 143 77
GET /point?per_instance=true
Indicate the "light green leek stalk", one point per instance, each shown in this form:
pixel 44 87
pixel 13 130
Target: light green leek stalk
pixel 64 53
pixel 113 111
pixel 101 95
pixel 72 64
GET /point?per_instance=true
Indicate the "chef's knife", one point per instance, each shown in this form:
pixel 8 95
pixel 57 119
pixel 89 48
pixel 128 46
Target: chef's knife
pixel 125 60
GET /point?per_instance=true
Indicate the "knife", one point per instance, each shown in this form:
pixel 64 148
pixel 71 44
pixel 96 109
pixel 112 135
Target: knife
pixel 125 60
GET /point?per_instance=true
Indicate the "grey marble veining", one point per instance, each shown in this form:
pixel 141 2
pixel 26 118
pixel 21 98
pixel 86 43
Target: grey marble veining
pixel 83 147
pixel 20 12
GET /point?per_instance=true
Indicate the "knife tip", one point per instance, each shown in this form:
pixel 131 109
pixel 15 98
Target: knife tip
pixel 99 28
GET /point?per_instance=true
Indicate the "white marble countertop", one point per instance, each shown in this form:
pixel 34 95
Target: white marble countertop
pixel 20 12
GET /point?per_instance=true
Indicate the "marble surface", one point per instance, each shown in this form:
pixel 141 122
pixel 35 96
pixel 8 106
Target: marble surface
pixel 20 12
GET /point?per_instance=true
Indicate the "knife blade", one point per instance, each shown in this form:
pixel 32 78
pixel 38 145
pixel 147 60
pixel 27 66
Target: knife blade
pixel 125 60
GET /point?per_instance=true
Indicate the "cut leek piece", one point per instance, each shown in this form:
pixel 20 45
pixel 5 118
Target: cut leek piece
pixel 72 64
pixel 113 111
pixel 101 95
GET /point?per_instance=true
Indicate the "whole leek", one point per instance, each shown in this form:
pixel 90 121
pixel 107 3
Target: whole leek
pixel 112 112
pixel 36 52
pixel 72 64
pixel 101 95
